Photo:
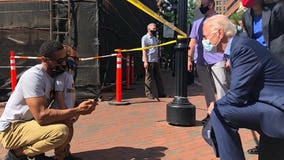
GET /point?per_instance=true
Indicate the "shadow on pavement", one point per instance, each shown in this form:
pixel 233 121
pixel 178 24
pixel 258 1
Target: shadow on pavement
pixel 124 153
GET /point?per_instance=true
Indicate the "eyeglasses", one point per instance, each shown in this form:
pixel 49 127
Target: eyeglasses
pixel 61 60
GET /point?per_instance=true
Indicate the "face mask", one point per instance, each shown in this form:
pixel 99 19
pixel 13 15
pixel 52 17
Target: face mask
pixel 58 70
pixel 154 33
pixel 203 10
pixel 208 46
pixel 239 28
pixel 71 64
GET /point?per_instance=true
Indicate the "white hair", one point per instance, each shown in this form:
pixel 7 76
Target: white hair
pixel 151 24
pixel 220 21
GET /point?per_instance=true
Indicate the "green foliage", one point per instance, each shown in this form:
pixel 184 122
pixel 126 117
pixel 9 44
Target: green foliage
pixel 190 11
pixel 168 11
pixel 236 17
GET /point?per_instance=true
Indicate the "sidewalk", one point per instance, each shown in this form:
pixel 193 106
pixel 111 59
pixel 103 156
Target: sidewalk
pixel 139 131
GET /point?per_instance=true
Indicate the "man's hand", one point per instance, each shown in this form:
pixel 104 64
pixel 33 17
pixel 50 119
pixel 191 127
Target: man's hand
pixel 145 65
pixel 227 65
pixel 87 107
pixel 189 65
pixel 211 107
pixel 190 53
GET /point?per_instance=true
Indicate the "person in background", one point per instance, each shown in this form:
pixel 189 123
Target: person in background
pixel 209 65
pixel 239 25
pixel 255 99
pixel 28 127
pixel 65 97
pixel 264 22
pixel 150 58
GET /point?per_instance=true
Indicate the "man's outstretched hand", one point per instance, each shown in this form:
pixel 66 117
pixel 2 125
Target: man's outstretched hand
pixel 87 107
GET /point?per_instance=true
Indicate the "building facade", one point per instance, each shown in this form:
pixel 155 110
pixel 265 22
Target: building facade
pixel 220 6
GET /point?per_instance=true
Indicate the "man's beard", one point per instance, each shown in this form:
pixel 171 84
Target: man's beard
pixel 58 70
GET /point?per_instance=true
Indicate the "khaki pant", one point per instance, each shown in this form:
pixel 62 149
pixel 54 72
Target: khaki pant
pixel 64 150
pixel 218 72
pixel 153 72
pixel 33 138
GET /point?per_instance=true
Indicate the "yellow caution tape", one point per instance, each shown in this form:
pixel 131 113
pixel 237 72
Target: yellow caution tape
pixel 153 14
pixel 148 47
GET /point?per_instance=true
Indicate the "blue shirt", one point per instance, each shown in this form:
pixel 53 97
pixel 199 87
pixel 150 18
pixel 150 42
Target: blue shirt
pixel 227 51
pixel 257 30
pixel 152 53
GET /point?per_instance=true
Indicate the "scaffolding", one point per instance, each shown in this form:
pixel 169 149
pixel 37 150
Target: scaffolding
pixel 35 17
pixel 60 20
pixel 26 24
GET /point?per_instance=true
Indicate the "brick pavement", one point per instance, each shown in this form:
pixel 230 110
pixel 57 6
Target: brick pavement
pixel 139 131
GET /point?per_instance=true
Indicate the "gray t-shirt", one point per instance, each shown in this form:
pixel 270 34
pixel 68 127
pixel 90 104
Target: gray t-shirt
pixel 35 82
pixel 65 84
pixel 152 53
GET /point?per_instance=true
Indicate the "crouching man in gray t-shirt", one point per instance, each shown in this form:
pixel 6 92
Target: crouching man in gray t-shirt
pixel 28 128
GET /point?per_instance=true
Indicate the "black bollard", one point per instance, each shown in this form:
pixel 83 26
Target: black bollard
pixel 180 111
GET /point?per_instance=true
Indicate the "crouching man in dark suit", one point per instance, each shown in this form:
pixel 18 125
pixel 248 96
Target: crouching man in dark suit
pixel 255 99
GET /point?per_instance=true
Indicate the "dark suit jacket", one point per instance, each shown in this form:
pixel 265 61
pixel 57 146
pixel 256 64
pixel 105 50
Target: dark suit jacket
pixel 272 26
pixel 255 76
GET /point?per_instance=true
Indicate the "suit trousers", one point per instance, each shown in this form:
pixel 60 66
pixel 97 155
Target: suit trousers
pixel 266 119
pixel 153 72
pixel 34 138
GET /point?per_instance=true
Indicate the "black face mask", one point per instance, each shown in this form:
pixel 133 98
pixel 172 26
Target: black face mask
pixel 203 10
pixel 58 70
pixel 154 33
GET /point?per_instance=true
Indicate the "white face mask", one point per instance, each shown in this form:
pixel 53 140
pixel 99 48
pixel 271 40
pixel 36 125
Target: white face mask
pixel 239 28
pixel 208 46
